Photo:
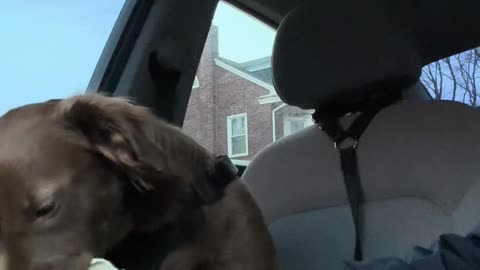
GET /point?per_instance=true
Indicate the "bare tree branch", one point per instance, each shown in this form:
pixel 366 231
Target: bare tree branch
pixel 426 82
pixel 439 74
pixel 430 78
pixel 452 77
pixel 473 77
pixel 463 72
pixel 460 73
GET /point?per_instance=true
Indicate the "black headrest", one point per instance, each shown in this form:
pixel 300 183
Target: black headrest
pixel 327 52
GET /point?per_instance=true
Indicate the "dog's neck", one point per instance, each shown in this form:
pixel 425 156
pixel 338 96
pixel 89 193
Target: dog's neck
pixel 146 251
pixel 210 187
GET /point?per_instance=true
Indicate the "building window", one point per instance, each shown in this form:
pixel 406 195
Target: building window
pixel 296 123
pixel 237 135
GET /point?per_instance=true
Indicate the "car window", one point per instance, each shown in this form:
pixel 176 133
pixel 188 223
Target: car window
pixel 455 78
pixel 233 108
pixel 49 49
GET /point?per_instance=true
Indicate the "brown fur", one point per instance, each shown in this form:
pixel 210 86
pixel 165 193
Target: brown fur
pixel 65 166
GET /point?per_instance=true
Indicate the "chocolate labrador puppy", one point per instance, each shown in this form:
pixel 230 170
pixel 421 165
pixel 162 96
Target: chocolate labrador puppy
pixel 88 176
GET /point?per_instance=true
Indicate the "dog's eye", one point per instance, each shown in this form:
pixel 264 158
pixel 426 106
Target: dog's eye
pixel 45 209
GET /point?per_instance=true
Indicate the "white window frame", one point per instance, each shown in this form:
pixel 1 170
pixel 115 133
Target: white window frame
pixel 240 162
pixel 229 134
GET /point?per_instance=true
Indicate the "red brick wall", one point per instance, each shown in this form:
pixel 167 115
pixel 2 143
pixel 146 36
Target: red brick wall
pixel 237 95
pixel 223 93
pixel 200 117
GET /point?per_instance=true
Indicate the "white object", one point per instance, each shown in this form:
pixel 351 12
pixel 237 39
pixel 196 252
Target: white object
pixel 101 264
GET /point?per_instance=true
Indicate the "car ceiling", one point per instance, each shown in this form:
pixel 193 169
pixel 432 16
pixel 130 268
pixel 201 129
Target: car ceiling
pixel 271 11
pixel 441 27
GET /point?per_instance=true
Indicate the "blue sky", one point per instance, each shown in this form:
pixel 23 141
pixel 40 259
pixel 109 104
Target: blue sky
pixel 242 37
pixel 50 48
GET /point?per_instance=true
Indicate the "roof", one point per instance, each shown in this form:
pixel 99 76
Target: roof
pixel 260 68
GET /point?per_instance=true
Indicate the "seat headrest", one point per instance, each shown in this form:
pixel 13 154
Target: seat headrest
pixel 327 52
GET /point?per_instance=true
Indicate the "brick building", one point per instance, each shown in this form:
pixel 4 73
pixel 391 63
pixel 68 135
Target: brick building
pixel 233 107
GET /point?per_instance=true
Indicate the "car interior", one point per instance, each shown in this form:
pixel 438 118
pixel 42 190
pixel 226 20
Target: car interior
pixel 416 158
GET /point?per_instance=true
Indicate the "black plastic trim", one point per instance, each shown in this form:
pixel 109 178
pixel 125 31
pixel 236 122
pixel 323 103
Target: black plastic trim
pixel 253 13
pixel 128 33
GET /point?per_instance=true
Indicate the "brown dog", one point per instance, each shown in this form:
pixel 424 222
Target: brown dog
pixel 82 175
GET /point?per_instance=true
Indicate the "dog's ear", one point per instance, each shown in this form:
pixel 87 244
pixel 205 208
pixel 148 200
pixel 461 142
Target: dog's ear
pixel 124 134
pixel 156 157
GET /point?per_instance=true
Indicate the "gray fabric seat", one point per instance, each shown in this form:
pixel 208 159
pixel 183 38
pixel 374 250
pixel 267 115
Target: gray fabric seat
pixel 419 171
pixel 418 160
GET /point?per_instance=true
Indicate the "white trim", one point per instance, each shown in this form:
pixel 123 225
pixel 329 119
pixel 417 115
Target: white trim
pixel 244 75
pixel 268 99
pixel 274 128
pixel 259 66
pixel 196 83
pixel 229 134
pixel 240 162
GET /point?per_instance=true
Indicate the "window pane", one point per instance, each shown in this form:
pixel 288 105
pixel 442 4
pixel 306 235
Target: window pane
pixel 235 77
pixel 49 49
pixel 455 78
pixel 293 125
pixel 297 125
pixel 238 126
pixel 239 145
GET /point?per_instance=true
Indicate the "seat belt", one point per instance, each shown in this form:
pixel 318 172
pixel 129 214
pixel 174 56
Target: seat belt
pixel 346 142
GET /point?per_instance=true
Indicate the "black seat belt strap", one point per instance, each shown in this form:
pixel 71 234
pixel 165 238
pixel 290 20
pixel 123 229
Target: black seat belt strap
pixel 346 141
pixel 348 157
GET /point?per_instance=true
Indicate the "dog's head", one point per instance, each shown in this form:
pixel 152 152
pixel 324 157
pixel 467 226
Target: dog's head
pixel 78 175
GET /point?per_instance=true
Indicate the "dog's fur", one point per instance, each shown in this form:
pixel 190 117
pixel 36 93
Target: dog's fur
pixel 79 175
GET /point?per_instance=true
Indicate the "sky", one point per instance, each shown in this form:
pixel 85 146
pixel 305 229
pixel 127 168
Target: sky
pixel 241 37
pixel 50 48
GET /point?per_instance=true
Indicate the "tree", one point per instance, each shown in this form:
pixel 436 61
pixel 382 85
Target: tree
pixel 455 78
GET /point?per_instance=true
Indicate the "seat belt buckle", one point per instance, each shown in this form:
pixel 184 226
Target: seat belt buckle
pixel 346 143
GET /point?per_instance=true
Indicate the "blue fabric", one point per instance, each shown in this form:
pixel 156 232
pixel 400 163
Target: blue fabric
pixel 449 252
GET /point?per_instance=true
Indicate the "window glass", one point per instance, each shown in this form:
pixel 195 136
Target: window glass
pixel 196 83
pixel 234 108
pixel 237 135
pixel 455 78
pixel 49 49
pixel 294 124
